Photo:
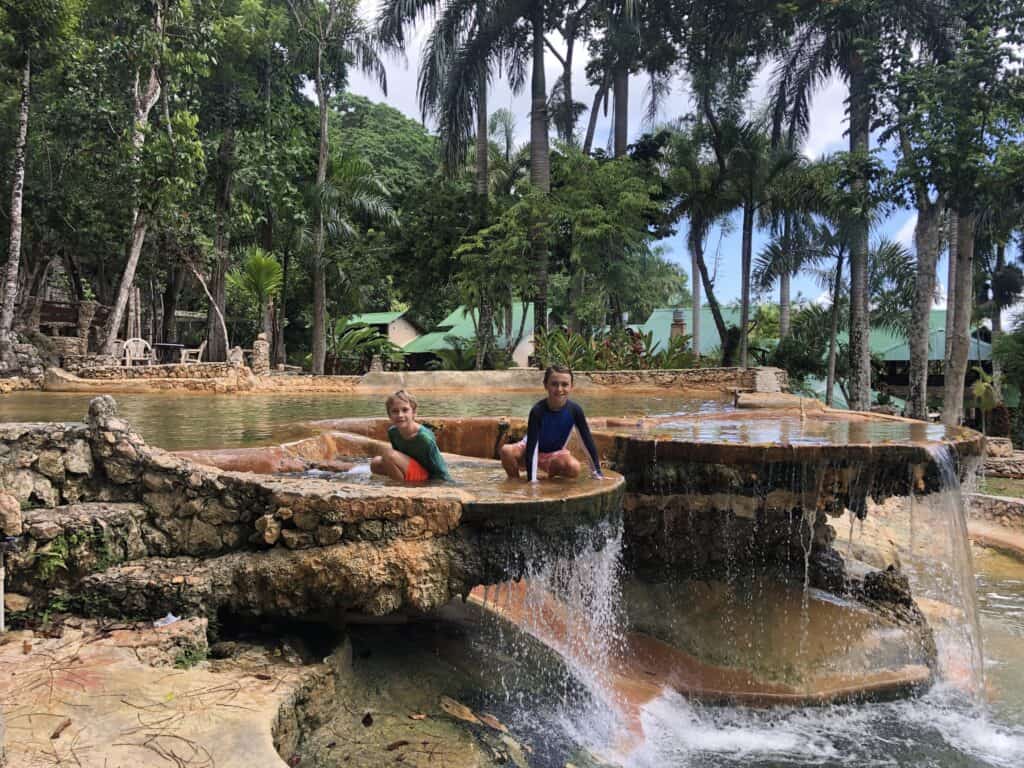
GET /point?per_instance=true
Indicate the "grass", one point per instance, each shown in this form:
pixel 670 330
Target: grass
pixel 1001 486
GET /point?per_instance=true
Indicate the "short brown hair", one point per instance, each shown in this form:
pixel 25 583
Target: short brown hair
pixel 558 368
pixel 404 397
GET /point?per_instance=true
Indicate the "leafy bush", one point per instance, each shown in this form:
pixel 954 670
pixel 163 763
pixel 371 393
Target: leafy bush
pixel 619 349
pixel 351 348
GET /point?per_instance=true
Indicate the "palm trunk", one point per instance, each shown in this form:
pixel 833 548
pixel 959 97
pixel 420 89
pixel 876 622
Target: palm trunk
pixel 280 354
pixel 485 328
pixel 833 342
pixel 17 198
pixel 785 279
pixel 216 351
pixel 540 165
pixel 956 367
pixel 695 281
pixel 954 246
pixel 997 322
pixel 602 92
pixel 860 351
pixel 620 92
pixel 696 248
pixel 175 282
pixel 926 242
pixel 747 246
pixel 319 268
pixel 143 103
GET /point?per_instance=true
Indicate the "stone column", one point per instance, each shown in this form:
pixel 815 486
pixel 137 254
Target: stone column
pixel 261 355
pixel 678 327
pixel 86 312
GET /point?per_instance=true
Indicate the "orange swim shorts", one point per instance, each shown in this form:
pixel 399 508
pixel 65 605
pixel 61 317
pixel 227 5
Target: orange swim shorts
pixel 415 473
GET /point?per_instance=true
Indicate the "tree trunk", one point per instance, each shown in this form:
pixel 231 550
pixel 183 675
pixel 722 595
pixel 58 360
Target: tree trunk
pixel 956 366
pixel 860 350
pixel 954 246
pixel 569 123
pixel 997 322
pixel 695 291
pixel 540 166
pixel 926 243
pixel 620 93
pixel 280 356
pixel 319 268
pixel 17 197
pixel 485 328
pixel 785 278
pixel 745 255
pixel 216 351
pixel 697 249
pixel 143 103
pixel 175 282
pixel 833 342
pixel 599 96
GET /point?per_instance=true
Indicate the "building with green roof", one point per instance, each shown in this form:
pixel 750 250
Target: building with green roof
pixel 395 325
pixel 459 324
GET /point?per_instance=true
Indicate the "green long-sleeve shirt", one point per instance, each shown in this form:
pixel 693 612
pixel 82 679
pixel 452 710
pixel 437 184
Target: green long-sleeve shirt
pixel 423 447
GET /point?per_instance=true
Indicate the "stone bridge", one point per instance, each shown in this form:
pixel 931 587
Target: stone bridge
pixel 119 527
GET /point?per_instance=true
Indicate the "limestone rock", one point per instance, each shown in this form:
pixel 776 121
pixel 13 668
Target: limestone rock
pixel 203 538
pixel 15 603
pixel 294 539
pixel 10 515
pixel 78 458
pixel 270 528
pixel 44 530
pixel 307 520
pixel 51 464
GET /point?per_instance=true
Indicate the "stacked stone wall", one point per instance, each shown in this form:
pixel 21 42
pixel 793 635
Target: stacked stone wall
pixel 168 371
pixel 1001 510
pixel 1011 466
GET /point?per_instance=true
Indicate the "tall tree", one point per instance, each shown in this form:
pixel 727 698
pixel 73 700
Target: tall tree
pixel 145 92
pixel 36 25
pixel 335 37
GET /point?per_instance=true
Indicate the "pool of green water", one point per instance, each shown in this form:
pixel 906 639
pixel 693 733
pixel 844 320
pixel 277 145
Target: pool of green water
pixel 190 422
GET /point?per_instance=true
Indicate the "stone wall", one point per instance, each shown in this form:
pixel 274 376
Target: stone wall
pixel 1003 511
pixel 755 379
pixel 166 371
pixel 131 528
pixel 1006 466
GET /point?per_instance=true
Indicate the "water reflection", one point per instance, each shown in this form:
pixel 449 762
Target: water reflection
pixel 187 422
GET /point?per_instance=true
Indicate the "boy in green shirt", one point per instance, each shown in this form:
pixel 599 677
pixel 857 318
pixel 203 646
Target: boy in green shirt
pixel 413 456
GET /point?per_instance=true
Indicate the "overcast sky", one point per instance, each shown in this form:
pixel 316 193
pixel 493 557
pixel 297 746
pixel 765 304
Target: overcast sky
pixel 826 135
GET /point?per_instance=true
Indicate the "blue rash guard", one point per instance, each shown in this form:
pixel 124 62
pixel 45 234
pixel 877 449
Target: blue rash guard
pixel 548 431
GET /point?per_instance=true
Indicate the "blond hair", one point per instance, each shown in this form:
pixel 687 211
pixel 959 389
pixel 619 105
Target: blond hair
pixel 403 396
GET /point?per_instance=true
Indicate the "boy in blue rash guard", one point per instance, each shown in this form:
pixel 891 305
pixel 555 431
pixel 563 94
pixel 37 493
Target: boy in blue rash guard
pixel 547 433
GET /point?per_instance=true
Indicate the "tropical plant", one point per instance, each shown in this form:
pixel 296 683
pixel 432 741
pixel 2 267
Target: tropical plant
pixel 984 394
pixel 258 278
pixel 353 347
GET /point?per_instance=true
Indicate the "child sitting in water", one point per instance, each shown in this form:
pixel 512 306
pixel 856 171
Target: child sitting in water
pixel 547 433
pixel 413 455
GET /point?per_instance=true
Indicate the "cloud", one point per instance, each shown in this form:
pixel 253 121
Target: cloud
pixel 905 234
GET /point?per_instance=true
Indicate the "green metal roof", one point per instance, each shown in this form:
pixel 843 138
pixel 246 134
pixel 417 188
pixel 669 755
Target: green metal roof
pixel 660 323
pixel 889 345
pixel 459 323
pixel 376 318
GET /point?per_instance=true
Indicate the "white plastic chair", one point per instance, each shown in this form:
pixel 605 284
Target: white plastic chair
pixel 137 350
pixel 193 355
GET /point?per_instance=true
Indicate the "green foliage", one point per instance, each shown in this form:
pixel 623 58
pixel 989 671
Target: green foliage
pixel 258 277
pixel 353 347
pixel 190 656
pixel 1008 351
pixel 619 349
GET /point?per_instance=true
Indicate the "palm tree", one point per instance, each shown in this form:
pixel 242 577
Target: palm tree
pixel 351 193
pixel 701 193
pixel 259 277
pixel 496 33
pixel 502 128
pixel 333 35
pixel 786 255
pixel 754 168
